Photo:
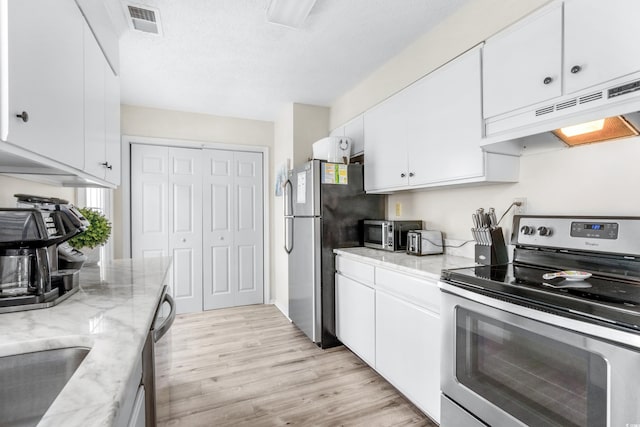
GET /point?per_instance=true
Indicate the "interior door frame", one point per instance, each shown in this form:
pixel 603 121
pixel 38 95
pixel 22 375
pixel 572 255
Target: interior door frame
pixel 125 193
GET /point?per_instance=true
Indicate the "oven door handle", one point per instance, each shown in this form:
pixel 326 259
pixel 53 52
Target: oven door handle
pixel 159 332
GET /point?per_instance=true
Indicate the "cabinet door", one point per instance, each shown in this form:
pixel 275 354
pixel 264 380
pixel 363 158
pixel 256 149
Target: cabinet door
pixel 408 351
pixel 355 317
pixel 185 227
pixel 43 62
pixel 517 61
pixel 355 130
pixel 112 125
pixel 445 123
pixel 601 37
pixel 385 133
pixel 94 106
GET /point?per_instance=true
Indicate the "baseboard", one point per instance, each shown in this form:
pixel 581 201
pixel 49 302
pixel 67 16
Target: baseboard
pixel 282 309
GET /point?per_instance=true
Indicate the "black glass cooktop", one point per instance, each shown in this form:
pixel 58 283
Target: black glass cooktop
pixel 598 299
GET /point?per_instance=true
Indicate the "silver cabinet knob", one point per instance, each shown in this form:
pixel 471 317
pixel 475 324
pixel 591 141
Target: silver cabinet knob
pixel 184 240
pixel 402 175
pixel 411 174
pixel 221 237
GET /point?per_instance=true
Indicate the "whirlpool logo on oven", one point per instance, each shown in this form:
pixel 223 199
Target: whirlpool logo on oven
pixel 595 244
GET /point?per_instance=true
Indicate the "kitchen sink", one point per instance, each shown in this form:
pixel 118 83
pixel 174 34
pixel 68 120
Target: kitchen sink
pixel 30 382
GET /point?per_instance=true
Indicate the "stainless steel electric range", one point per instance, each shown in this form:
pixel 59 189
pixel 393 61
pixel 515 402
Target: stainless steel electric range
pixel 552 339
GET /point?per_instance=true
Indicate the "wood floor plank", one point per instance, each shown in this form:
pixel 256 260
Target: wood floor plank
pixel 249 366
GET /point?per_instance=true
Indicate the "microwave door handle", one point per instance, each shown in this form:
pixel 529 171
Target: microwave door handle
pixel 384 236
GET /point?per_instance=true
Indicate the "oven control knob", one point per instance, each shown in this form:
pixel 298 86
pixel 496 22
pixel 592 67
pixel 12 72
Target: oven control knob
pixel 527 230
pixel 544 231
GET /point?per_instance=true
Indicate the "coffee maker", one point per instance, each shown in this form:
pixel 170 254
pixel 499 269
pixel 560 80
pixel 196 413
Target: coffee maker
pixel 27 238
pixel 62 257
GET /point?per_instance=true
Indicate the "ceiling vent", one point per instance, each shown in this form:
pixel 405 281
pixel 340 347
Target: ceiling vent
pixel 144 19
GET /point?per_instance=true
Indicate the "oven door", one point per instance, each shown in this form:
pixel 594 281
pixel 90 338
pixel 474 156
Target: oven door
pixel 511 370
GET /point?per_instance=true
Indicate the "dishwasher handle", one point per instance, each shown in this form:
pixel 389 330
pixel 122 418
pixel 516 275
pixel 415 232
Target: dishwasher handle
pixel 159 332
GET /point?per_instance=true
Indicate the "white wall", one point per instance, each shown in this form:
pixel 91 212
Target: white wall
pixel 282 155
pixel 10 186
pixel 598 179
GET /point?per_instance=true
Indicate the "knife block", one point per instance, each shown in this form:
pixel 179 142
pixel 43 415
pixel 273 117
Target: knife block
pixel 496 253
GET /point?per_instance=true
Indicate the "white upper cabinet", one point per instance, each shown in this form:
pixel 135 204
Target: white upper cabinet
pixel 112 126
pixel 601 41
pixel 353 129
pixel 562 49
pixel 385 132
pixel 102 114
pixel 42 81
pixel 445 123
pixel 94 122
pixel 430 133
pixel 522 65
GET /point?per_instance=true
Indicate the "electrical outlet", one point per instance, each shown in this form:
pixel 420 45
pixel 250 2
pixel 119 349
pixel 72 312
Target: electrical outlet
pixel 398 209
pixel 521 207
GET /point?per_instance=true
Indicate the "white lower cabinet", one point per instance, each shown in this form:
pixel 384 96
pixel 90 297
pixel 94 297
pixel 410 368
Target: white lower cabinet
pixel 391 320
pixel 355 317
pixel 408 350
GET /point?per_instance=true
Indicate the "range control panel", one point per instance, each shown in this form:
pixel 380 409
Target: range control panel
pixel 619 235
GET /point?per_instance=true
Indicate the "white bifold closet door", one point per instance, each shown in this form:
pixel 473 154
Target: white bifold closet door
pixel 166 205
pixel 205 209
pixel 233 258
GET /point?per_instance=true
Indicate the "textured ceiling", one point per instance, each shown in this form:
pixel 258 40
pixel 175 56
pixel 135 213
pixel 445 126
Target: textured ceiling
pixel 222 57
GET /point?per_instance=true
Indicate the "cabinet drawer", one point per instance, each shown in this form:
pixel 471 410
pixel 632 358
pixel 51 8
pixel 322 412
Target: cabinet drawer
pixel 355 270
pixel 422 292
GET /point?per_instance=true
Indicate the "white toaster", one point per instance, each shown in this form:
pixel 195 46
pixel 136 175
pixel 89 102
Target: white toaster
pixel 424 242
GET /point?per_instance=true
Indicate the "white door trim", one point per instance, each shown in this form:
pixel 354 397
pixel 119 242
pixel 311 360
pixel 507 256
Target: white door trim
pixel 125 193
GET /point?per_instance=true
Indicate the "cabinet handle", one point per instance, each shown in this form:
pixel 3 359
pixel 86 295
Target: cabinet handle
pixel 24 116
pixel 411 174
pixel 403 175
pixel 547 80
pixel 107 165
pixel 575 69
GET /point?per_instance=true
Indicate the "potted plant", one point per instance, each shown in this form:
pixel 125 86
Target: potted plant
pixel 94 236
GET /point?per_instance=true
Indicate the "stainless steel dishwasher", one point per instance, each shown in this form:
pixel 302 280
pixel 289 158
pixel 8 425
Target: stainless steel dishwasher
pixel 156 348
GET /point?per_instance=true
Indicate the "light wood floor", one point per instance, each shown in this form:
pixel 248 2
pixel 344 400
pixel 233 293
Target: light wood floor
pixel 249 366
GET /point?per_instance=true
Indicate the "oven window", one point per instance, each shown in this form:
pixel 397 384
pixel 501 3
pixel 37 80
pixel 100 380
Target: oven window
pixel 538 380
pixel 373 234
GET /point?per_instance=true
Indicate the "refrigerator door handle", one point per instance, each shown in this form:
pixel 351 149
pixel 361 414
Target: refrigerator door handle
pixel 288 234
pixel 288 198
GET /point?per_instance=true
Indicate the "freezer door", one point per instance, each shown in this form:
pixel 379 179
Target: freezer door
pixel 304 277
pixel 305 189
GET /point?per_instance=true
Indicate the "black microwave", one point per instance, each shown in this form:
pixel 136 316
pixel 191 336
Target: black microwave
pixel 388 235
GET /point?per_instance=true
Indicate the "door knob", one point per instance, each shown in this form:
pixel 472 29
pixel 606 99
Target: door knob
pixel 24 116
pixel 575 69
pixel 547 80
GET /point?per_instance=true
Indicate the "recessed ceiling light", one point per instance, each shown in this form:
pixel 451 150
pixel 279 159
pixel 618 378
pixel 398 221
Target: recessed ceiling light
pixel 596 131
pixel 290 13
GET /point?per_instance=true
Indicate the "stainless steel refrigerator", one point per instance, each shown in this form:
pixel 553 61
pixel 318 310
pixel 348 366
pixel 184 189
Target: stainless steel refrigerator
pixel 324 206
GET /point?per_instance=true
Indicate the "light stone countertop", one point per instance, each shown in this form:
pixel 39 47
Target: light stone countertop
pixel 427 266
pixel 111 313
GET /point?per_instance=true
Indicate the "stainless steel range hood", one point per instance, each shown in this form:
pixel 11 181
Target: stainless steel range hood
pixel 530 130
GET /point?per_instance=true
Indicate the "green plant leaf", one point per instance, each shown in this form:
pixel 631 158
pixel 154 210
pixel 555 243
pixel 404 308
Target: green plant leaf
pixel 96 235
